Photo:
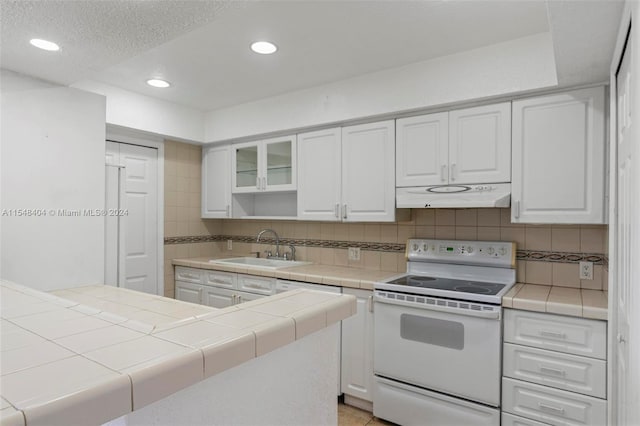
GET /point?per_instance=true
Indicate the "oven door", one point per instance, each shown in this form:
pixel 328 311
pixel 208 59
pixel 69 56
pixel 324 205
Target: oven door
pixel 439 344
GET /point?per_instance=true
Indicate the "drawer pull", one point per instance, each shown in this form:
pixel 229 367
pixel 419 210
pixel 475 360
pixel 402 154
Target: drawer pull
pixel 256 286
pixel 552 371
pixel 553 334
pixel 190 276
pixel 546 407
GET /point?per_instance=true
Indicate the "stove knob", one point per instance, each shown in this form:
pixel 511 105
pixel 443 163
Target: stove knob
pixel 491 250
pixel 470 249
pixel 425 247
pixel 502 251
pixel 415 247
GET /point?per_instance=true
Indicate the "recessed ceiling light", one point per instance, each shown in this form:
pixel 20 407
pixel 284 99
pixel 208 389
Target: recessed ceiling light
pixel 264 47
pixel 156 82
pixel 44 44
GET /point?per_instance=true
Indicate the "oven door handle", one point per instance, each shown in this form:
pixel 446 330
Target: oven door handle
pixel 492 314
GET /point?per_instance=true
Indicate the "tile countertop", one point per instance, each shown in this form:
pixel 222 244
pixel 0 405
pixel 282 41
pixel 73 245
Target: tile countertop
pixel 91 354
pixel 558 300
pixel 540 298
pixel 342 276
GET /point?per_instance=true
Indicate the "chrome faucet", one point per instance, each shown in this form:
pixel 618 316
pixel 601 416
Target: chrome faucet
pixel 277 240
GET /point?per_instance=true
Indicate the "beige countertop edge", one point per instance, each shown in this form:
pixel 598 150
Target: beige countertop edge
pixel 342 276
pixel 575 302
pixel 181 359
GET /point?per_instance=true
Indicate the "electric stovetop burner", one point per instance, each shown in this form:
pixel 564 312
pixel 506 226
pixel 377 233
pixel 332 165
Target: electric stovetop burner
pixel 462 286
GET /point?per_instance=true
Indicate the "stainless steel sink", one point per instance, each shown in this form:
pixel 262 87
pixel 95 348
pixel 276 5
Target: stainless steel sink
pixel 254 262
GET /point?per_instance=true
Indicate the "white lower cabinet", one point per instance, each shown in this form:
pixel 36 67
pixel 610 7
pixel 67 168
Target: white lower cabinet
pixel 511 420
pixel 552 406
pixel 357 348
pixel 220 289
pixel 221 297
pixel 188 292
pixel 554 370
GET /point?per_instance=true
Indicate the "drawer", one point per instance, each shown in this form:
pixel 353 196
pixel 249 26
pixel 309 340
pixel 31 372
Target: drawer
pixel 576 336
pixel 552 406
pixel 562 371
pixel 191 275
pixel 511 420
pixel 220 279
pixel 255 284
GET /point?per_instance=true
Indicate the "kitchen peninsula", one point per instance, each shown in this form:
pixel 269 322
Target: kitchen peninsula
pixel 99 354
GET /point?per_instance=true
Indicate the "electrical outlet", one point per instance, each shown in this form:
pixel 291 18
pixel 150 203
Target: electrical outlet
pixel 229 244
pixel 354 253
pixel 586 270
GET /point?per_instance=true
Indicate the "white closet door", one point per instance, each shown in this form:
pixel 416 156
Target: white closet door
pixel 141 223
pixel 132 238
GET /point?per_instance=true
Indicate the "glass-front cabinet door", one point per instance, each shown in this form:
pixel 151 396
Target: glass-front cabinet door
pixel 279 161
pixel 267 165
pixel 246 173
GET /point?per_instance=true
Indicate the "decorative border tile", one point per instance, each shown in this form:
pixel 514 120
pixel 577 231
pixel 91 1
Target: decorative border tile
pixel 386 247
pixel 529 255
pixel 560 257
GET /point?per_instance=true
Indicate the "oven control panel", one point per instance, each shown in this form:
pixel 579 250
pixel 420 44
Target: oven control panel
pixel 497 253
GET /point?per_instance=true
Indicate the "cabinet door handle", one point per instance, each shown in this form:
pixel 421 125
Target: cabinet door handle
pixel 553 334
pixel 553 371
pixel 239 299
pixel 546 407
pixel 371 303
pixel 453 172
pixel 344 212
pixel 337 210
pixel 443 173
pixel 233 299
pixel 516 208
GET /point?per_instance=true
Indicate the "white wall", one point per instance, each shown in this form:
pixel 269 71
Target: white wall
pixel 135 111
pixel 52 157
pixel 515 66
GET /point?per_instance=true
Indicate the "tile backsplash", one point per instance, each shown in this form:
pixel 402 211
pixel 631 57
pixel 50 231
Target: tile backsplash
pixel 182 182
pixel 547 254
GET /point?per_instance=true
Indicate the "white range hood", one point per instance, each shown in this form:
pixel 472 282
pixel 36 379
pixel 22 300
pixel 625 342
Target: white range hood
pixel 454 196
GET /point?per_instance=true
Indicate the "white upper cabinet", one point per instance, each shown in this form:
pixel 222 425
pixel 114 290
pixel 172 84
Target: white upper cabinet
pixel 264 166
pixel 480 144
pixel 320 177
pixel 347 174
pixel 559 158
pixel 466 146
pixel 422 150
pixel 216 182
pixel 368 172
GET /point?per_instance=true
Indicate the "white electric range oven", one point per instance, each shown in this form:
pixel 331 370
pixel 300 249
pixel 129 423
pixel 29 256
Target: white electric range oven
pixel 438 334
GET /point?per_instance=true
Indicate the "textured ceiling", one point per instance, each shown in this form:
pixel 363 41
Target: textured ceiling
pixel 94 34
pixel 319 42
pixel 202 46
